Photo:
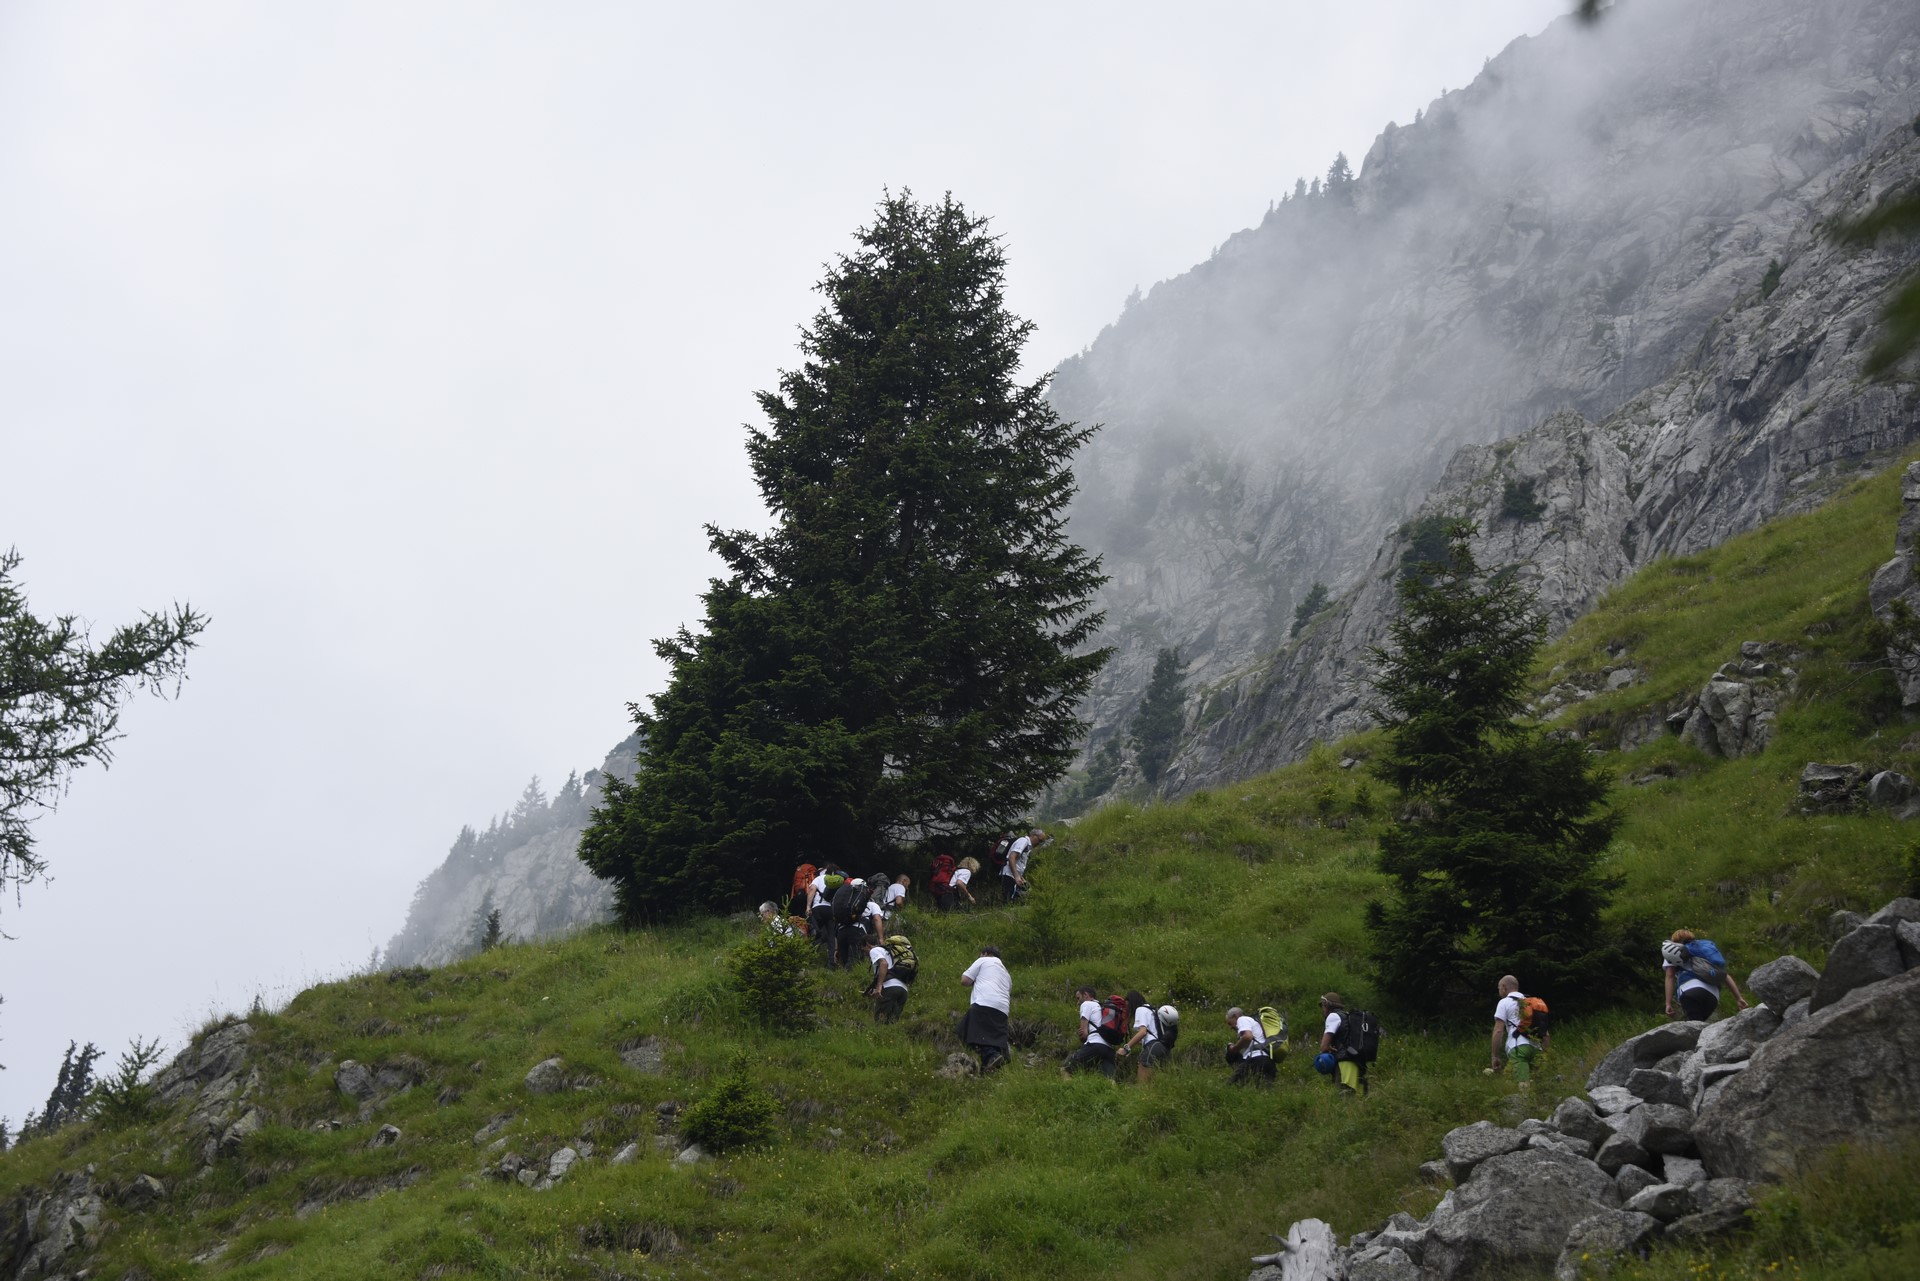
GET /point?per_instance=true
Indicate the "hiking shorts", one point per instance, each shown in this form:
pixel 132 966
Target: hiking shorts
pixel 1520 1060
pixel 1154 1053
pixel 1254 1069
pixel 1093 1054
pixel 1699 1003
pixel 891 1001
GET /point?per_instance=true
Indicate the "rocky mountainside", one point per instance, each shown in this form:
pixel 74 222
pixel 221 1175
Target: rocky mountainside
pixel 525 867
pixel 1607 252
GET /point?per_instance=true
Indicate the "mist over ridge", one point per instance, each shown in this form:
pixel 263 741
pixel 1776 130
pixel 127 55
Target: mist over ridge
pixel 1558 236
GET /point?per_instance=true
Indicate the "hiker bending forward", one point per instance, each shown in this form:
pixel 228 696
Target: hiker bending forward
pixel 1145 1041
pixel 1350 1071
pixel 1252 1062
pixel 888 989
pixel 983 1028
pixel 1095 1050
pixel 1699 994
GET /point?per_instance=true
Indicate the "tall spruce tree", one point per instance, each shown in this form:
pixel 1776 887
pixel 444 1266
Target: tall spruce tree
pixel 1155 728
pixel 1496 867
pixel 897 658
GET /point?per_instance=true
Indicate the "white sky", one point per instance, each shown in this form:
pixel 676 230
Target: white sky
pixel 413 344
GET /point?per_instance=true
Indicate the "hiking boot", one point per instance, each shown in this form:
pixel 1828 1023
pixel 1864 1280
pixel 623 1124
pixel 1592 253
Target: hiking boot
pixel 994 1061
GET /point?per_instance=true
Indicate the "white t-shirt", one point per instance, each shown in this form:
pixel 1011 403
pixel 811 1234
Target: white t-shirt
pixel 1247 1023
pixel 960 877
pixel 875 917
pixel 1333 1023
pixel 992 985
pixel 896 895
pixel 875 955
pixel 1143 1018
pixel 1017 854
pixel 1090 1012
pixel 1508 1012
pixel 819 887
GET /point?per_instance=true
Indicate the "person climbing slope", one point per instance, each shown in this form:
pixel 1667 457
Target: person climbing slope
pixel 1693 970
pixel 983 1028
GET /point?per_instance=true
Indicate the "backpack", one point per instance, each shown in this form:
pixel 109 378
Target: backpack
pixel 1704 959
pixel 1358 1040
pixel 835 880
pixel 1274 1024
pixel 998 859
pixel 1114 1020
pixel 802 878
pixel 902 964
pixel 846 904
pixel 1169 1020
pixel 942 873
pixel 1535 1020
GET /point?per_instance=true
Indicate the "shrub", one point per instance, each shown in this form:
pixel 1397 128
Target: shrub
pixel 1046 940
pixel 1519 502
pixel 773 974
pixel 735 1114
pixel 1770 281
pixel 125 1098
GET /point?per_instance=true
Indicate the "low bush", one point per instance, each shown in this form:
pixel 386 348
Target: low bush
pixel 735 1114
pixel 773 974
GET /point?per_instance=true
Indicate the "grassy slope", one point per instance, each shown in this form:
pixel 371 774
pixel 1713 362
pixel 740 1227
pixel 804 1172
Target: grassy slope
pixel 1240 896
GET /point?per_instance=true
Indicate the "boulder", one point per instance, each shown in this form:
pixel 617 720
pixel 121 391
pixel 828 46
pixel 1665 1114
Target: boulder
pixel 547 1077
pixel 1900 909
pixel 219 1055
pixel 1668 1128
pixel 1907 935
pixel 648 1056
pixel 1664 1201
pixel 142 1191
pixel 1644 1050
pixel 625 1154
pixel 1435 1172
pixel 1476 1233
pixel 1612 1100
pixel 1468 1146
pixel 1377 1263
pixel 1631 1124
pixel 1403 1233
pixel 1619 1151
pixel 250 1123
pixel 1577 1119
pixel 385 1137
pixel 1825 788
pixel 692 1154
pixel 1869 954
pixel 1723 1194
pixel 1656 1086
pixel 1632 1180
pixel 559 1163
pixel 1889 789
pixel 1731 1040
pixel 1565 1142
pixel 1732 717
pixel 1597 1240
pixel 355 1080
pixel 1683 1170
pixel 1848 1069
pixel 1779 983
pixel 1695 1228
pixel 1796 1013
pixel 1715 1078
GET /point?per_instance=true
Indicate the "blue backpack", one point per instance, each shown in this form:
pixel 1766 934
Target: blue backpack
pixel 1704 959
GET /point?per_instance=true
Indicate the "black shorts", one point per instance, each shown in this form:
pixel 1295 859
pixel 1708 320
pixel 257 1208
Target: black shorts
pixel 889 1004
pixel 1699 1003
pixel 1154 1053
pixel 1254 1069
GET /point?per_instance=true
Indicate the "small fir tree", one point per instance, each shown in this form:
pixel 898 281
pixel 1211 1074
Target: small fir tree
pixel 1316 600
pixel 1154 730
pixel 1497 867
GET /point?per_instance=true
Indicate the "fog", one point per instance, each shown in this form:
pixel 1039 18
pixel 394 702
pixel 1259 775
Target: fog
pixel 412 344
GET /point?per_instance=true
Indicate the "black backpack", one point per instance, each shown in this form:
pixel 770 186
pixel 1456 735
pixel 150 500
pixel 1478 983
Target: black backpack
pixel 847 904
pixel 1358 1040
pixel 998 859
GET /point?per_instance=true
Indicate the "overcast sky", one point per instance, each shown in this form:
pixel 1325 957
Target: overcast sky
pixel 413 343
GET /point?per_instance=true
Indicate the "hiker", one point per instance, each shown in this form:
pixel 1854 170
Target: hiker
pixel 893 975
pixel 1700 969
pixel 800 895
pixel 1514 1042
pixel 873 917
pixel 1146 1040
pixel 896 902
pixel 1349 1072
pixel 983 1028
pixel 1013 877
pixel 849 922
pixel 1249 1055
pixel 942 882
pixel 771 918
pixel 962 879
pixel 820 912
pixel 1097 1041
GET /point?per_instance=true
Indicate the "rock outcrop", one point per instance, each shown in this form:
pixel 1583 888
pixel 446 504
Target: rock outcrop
pixel 1683 1121
pixel 1648 316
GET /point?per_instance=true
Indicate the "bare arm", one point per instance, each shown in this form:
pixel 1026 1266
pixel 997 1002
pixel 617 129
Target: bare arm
pixel 1499 1046
pixel 1668 971
pixel 1738 995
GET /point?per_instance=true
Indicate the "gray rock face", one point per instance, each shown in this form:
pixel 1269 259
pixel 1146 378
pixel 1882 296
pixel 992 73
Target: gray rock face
pixel 1734 1039
pixel 219 1057
pixel 1826 788
pixel 540 887
pixel 143 1191
pixel 1656 1086
pixel 1896 581
pixel 1378 1263
pixel 1613 1100
pixel 385 1137
pixel 355 1080
pixel 1697 406
pixel 46 1234
pixel 1619 1151
pixel 546 1077
pixel 1599 1239
pixel 1867 955
pixel 1468 1146
pixel 1683 1170
pixel 1732 717
pixel 1645 1050
pixel 1847 1068
pixel 1479 1235
pixel 1889 789
pixel 1900 909
pixel 1668 1129
pixel 1632 1180
pixel 1779 983
pixel 1907 935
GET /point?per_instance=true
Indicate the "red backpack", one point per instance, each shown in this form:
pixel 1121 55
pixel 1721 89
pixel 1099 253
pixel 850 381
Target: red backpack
pixel 1114 1018
pixel 802 879
pixel 942 872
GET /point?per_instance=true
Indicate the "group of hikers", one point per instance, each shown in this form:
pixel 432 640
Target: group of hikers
pixel 850 917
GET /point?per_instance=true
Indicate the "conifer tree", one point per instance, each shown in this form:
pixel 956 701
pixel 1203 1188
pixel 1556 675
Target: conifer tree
pixel 899 657
pixel 1496 867
pixel 1154 730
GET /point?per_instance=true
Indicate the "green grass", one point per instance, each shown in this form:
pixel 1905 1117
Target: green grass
pixel 1251 894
